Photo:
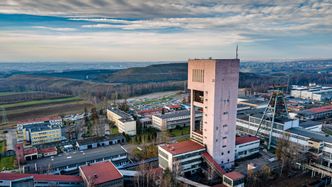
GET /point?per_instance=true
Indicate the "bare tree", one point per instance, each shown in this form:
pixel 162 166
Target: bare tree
pixel 286 152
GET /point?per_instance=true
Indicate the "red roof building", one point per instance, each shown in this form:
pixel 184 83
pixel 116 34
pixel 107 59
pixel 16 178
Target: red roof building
pixel 321 109
pixel 150 111
pixel 188 152
pixel 182 147
pixel 48 151
pixel 245 139
pixel 30 151
pixel 101 174
pixel 233 178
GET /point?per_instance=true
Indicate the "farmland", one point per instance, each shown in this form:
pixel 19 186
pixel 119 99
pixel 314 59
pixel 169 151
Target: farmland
pixel 39 102
pixel 15 97
pixel 27 105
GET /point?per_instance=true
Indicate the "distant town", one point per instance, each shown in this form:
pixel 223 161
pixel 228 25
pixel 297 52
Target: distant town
pixel 209 133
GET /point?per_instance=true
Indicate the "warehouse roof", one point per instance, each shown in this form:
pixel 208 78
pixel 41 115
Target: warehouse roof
pixel 41 177
pixel 311 134
pixel 76 157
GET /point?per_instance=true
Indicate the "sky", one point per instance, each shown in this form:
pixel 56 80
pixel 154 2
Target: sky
pixel 163 30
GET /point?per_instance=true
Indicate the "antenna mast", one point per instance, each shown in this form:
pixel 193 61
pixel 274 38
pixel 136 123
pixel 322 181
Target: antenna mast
pixel 237 50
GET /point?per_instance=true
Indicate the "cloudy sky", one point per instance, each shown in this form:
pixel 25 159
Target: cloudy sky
pixel 163 30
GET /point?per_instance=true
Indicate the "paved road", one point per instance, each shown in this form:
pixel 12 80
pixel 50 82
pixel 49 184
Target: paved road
pixel 11 139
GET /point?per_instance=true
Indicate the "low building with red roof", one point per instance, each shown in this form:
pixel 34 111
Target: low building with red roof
pixel 30 153
pixel 27 180
pixel 101 174
pixel 233 179
pixel 246 146
pixel 49 151
pixel 185 156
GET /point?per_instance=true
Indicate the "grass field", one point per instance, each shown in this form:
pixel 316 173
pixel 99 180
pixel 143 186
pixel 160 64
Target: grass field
pixel 40 102
pixel 12 93
pixel 179 131
pixel 7 163
pixel 2 146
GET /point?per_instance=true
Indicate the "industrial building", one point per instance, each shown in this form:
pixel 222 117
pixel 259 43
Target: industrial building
pixel 39 131
pixel 307 140
pixel 125 122
pixel 312 92
pixel 94 142
pixel 39 180
pixel 213 85
pixel 101 174
pixel 171 120
pixel 322 112
pixel 68 163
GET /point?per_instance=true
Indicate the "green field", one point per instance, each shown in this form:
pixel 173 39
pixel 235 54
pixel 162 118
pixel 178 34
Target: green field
pixel 39 102
pixel 114 130
pixel 7 163
pixel 13 93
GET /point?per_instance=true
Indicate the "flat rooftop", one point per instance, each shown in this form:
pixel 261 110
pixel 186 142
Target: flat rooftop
pixel 120 113
pixel 309 123
pixel 234 175
pixel 311 134
pixel 174 114
pixel 75 157
pixel 99 139
pixel 101 172
pixel 182 147
pixel 245 139
pixel 42 126
pixel 41 177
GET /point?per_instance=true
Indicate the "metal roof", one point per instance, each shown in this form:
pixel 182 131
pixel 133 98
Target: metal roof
pixel 311 134
pixel 75 157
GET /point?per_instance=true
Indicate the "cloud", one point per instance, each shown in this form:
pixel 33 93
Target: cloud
pixel 54 28
pixel 103 46
pixel 152 29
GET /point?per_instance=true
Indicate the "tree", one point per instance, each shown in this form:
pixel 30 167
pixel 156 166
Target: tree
pixel 265 172
pixel 286 152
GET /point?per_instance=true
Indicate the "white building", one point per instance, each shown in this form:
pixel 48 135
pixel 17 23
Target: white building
pixel 123 121
pixel 246 146
pixel 312 92
pixel 171 120
pixel 233 179
pixel 213 85
pixel 181 157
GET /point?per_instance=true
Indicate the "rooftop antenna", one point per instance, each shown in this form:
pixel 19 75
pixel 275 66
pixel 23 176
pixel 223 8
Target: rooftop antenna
pixel 237 50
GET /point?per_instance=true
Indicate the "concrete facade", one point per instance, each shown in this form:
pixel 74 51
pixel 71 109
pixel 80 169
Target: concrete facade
pixel 123 121
pixel 213 85
pixel 172 120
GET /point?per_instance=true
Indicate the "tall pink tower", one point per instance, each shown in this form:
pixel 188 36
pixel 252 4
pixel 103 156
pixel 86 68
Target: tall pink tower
pixel 213 84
